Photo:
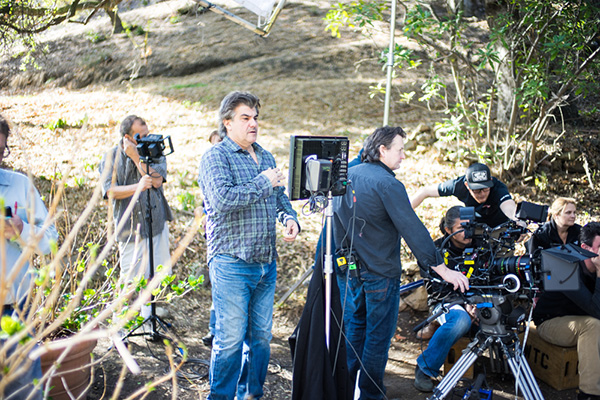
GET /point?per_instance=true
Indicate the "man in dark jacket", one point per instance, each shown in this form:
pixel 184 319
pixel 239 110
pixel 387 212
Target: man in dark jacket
pixel 572 318
pixel 369 222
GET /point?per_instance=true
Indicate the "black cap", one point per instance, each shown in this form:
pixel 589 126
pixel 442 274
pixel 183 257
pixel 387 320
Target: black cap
pixel 478 176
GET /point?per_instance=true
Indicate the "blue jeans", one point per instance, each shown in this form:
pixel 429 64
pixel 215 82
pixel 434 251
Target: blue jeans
pixel 458 323
pixel 243 295
pixel 211 321
pixel 370 306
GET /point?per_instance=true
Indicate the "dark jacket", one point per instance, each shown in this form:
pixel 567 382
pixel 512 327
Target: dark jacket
pixel 546 236
pixel 374 215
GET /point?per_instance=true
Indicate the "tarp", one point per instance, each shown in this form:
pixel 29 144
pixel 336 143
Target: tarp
pixel 319 373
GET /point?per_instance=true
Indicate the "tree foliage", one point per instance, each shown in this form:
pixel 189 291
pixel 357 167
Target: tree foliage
pixel 538 56
pixel 20 20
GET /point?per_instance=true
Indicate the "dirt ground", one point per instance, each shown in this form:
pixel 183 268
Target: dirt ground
pixel 309 83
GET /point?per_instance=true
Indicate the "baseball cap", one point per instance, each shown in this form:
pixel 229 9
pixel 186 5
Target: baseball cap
pixel 478 176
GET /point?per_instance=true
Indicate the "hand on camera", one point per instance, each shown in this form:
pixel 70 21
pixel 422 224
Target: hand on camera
pixel 275 176
pixel 456 278
pixel 130 148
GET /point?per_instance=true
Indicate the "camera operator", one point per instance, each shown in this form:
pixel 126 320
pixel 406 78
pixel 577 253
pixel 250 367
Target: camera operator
pixel 457 321
pixel 128 171
pixel 477 188
pixel 371 219
pixel 28 217
pixel 243 197
pixel 560 229
pixel 572 318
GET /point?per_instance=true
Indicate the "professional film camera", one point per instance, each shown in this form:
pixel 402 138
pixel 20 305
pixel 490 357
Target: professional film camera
pixel 153 146
pixel 502 287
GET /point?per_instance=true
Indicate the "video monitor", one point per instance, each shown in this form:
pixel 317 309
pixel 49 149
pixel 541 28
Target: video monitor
pixel 330 148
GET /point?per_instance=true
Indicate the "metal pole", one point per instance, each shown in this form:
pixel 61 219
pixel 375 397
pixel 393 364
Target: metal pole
pixel 390 65
pixel 328 265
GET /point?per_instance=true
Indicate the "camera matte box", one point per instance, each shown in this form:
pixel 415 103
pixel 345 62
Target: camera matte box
pixel 561 267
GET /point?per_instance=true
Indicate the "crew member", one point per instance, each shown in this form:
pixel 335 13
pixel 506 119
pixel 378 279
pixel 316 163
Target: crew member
pixel 476 188
pixel 369 222
pixel 28 216
pixel 127 172
pixel 243 198
pixel 560 229
pixel 572 318
pixel 457 321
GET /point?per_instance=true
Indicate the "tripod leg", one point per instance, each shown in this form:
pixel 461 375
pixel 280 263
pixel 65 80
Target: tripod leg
pixel 522 372
pixel 469 356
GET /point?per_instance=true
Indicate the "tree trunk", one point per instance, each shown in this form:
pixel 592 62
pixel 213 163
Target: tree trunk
pixel 115 20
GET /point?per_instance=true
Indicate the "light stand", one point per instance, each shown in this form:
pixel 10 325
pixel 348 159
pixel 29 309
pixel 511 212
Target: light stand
pixel 328 265
pixel 156 323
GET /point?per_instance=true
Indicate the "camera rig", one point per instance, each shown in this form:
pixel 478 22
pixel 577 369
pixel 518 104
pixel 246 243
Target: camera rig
pixel 503 287
pixel 153 146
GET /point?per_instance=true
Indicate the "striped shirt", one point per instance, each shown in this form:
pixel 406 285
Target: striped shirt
pixel 240 203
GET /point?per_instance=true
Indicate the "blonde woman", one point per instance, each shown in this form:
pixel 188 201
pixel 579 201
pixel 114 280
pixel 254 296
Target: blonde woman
pixel 561 227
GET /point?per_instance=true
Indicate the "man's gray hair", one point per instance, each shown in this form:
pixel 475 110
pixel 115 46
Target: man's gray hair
pixel 128 122
pixel 4 127
pixel 382 136
pixel 230 103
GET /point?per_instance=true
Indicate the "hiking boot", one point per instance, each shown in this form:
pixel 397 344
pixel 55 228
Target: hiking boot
pixel 427 332
pixel 422 382
pixel 208 339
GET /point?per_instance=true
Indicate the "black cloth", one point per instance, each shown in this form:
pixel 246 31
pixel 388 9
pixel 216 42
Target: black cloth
pixel 380 217
pixel 546 236
pixel 585 301
pixel 437 289
pixel 319 373
pixel 489 212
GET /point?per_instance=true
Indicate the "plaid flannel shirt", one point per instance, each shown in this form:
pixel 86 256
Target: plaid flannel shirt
pixel 240 203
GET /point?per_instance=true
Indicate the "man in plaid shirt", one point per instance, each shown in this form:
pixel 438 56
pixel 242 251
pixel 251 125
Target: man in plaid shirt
pixel 243 196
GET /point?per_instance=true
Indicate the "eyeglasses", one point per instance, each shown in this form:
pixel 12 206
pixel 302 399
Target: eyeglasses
pixel 479 191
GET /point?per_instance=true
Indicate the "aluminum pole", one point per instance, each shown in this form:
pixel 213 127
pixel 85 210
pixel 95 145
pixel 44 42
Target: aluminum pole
pixel 390 66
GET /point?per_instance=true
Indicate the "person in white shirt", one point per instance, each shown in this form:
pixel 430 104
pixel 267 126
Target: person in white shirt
pixel 23 227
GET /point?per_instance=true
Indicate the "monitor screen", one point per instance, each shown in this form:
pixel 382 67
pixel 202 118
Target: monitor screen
pixel 332 148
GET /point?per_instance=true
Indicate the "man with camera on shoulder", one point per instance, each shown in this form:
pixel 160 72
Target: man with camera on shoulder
pixel 572 318
pixel 128 172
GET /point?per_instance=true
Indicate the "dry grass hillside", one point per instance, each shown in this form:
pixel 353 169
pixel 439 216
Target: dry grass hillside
pixel 66 115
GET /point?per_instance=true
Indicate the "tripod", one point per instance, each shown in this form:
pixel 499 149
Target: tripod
pixel 156 323
pixel 498 321
pixel 509 346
